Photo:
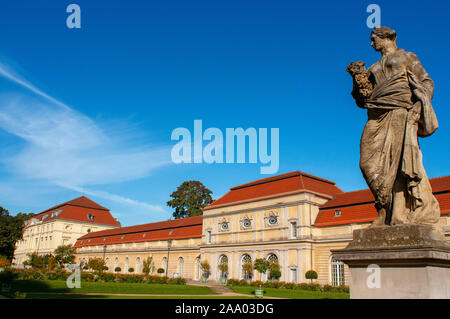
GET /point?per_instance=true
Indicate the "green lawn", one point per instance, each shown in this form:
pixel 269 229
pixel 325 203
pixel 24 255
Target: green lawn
pixel 108 287
pixel 293 293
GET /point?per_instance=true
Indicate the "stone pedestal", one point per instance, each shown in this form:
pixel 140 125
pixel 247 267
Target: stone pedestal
pixel 393 262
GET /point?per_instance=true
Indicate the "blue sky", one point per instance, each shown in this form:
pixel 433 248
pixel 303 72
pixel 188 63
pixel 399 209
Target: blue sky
pixel 92 110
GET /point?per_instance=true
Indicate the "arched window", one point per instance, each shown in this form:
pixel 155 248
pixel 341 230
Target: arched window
pixel 126 265
pixel 180 266
pixel 116 264
pixel 197 268
pixel 246 273
pixel 337 273
pixel 223 267
pixel 138 265
pixel 273 260
pixel 107 264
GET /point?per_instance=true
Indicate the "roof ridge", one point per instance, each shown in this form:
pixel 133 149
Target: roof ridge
pixel 280 177
pixel 182 222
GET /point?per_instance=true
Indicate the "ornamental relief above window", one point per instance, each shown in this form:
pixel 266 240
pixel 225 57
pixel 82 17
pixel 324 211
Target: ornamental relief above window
pixel 246 223
pixel 271 219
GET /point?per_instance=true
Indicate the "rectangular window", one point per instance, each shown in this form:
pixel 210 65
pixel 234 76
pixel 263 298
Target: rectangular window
pixel 294 275
pixel 293 229
pixel 208 237
pixel 337 273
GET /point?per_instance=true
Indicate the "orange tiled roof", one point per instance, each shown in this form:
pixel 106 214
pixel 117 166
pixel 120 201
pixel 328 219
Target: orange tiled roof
pixel 190 227
pixel 277 186
pixel 358 206
pixel 79 209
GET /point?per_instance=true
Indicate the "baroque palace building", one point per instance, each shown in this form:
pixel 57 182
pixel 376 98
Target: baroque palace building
pixel 294 218
pixel 62 225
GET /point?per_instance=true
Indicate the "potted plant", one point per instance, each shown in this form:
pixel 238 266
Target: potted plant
pixel 311 274
pixel 223 267
pixel 205 267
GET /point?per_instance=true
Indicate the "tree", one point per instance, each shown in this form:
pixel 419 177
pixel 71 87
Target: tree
pixel 34 260
pixel 261 265
pixel 274 269
pixel 189 199
pixel 223 267
pixel 311 274
pixel 147 267
pixel 205 267
pixel 11 231
pixel 96 264
pixel 247 268
pixel 50 261
pixel 65 254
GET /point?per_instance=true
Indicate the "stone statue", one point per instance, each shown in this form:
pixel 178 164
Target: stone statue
pixel 397 93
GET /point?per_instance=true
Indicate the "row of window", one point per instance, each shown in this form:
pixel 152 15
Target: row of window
pixel 292 230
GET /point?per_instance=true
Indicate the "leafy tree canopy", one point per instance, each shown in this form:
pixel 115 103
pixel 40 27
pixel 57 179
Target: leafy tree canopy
pixel 189 199
pixel 97 264
pixel 11 231
pixel 65 254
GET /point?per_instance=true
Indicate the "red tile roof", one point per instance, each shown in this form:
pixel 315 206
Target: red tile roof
pixel 78 209
pixel 185 228
pixel 277 186
pixel 358 206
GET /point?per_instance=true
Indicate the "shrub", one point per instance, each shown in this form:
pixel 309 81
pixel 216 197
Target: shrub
pixel 160 271
pixel 243 282
pixel 96 264
pixel 256 283
pixel 117 269
pixel 7 276
pixel 233 282
pixel 131 269
pixel 4 262
pixel 275 273
pixel 20 295
pixel 177 281
pixel 311 274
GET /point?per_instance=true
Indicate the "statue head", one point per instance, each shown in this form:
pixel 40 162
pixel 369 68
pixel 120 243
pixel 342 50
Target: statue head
pixel 383 37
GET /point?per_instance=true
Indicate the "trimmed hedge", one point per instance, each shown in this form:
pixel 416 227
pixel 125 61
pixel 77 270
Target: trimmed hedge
pixel 289 285
pixel 40 274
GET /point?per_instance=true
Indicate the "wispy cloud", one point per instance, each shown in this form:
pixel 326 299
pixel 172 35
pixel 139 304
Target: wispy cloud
pixel 66 148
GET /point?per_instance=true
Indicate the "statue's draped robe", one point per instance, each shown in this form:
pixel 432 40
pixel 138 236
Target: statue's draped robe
pixel 391 160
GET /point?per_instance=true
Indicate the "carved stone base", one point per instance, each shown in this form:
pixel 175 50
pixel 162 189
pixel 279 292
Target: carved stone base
pixel 392 262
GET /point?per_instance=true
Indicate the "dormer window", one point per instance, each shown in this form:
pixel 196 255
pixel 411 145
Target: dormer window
pixel 90 216
pixel 337 213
